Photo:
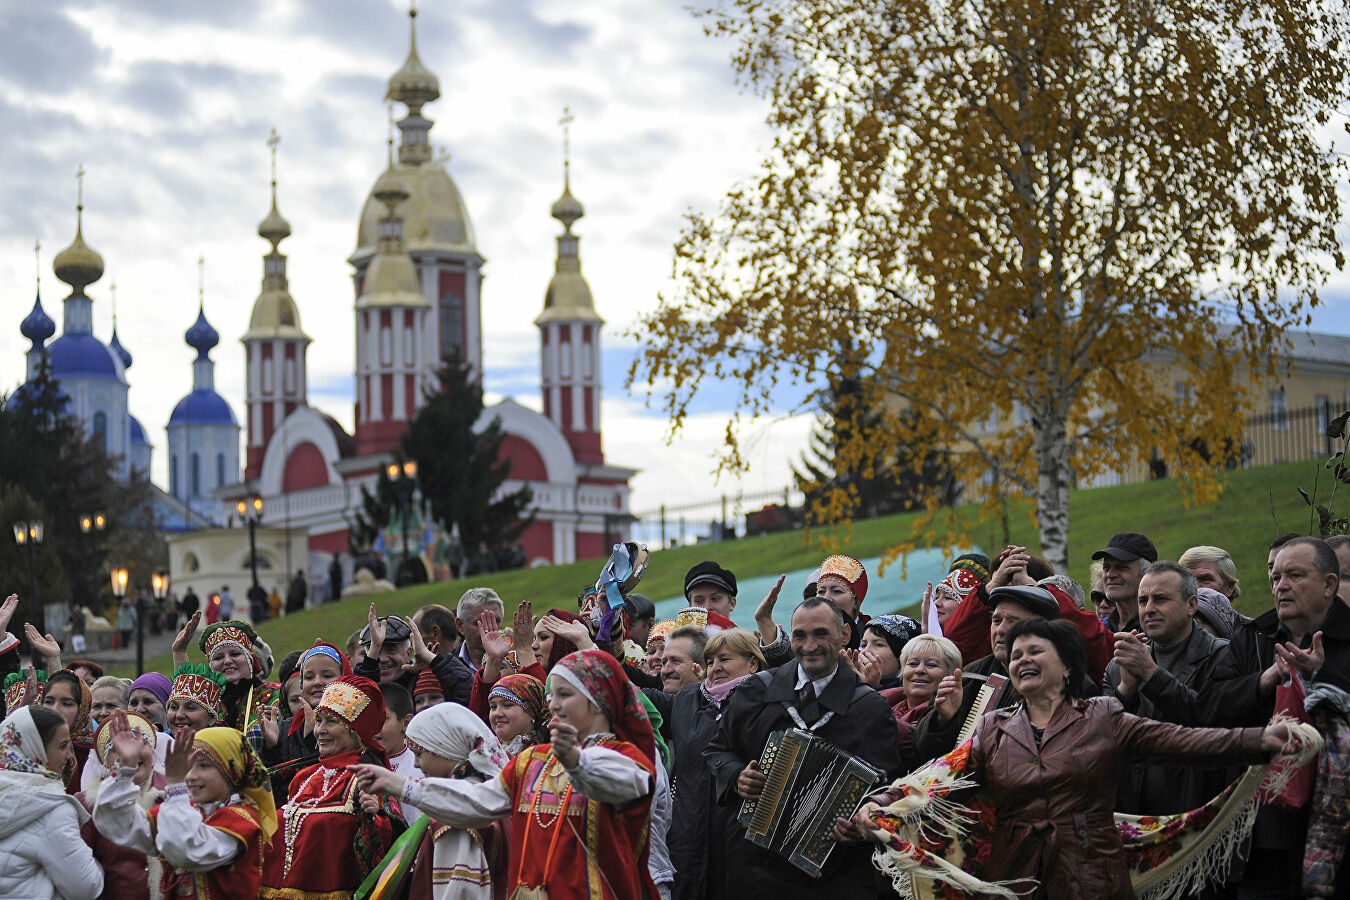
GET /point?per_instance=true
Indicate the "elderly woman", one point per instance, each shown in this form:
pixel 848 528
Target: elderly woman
pixel 41 851
pixel 1050 767
pixel 107 694
pixel 924 662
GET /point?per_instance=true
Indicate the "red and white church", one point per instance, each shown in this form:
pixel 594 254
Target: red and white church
pixel 418 283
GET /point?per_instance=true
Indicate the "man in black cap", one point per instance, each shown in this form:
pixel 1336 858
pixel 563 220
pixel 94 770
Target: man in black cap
pixel 1124 559
pixel 936 732
pixel 712 587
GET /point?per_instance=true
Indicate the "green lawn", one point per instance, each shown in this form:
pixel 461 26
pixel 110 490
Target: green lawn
pixel 1241 521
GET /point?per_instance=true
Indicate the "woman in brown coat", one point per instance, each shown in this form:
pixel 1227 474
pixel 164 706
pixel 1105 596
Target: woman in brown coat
pixel 1051 765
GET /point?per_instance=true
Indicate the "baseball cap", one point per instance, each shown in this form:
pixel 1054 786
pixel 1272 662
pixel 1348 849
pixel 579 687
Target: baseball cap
pixel 1128 546
pixel 709 573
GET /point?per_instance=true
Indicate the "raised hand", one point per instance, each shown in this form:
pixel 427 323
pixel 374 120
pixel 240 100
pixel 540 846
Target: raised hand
pixel 308 712
pixel 7 611
pixel 183 639
pixel 176 761
pixel 927 601
pixel 377 779
pixel 495 644
pixel 1307 662
pixel 30 688
pixel 127 742
pixel 949 696
pixel 563 737
pixel 422 654
pixel 768 630
pixel 868 667
pixel 576 632
pixel 269 723
pixel 522 626
pixel 47 646
pixel 1132 653
pixel 376 633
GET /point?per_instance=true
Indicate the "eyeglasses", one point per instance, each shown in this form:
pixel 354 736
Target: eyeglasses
pixel 1098 598
pixel 395 631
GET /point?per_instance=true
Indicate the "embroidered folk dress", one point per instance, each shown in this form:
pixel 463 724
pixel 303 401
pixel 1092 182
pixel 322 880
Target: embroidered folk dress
pixel 600 851
pixel 210 853
pixel 325 845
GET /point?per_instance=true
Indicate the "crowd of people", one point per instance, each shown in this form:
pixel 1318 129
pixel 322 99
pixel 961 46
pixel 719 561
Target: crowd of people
pixel 591 751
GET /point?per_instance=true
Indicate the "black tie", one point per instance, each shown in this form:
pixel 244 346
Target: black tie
pixel 806 702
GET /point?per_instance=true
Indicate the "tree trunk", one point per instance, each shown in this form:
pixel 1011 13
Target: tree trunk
pixel 1052 490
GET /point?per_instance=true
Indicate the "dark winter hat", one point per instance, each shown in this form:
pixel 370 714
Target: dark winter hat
pixel 1035 600
pixel 1128 546
pixel 710 573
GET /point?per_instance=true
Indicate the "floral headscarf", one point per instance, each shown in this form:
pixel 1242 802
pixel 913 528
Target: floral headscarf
pixel 451 732
pixel 528 693
pixel 601 679
pixel 82 732
pixel 21 747
pixel 229 751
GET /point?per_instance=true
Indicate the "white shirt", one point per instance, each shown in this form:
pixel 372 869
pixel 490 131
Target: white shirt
pixel 820 683
pixel 405 763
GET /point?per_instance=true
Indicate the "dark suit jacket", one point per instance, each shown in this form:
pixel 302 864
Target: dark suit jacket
pixel 862 726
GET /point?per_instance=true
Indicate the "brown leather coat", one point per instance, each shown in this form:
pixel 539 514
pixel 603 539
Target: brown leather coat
pixel 1054 803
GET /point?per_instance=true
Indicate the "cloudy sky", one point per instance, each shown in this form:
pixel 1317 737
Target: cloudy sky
pixel 168 106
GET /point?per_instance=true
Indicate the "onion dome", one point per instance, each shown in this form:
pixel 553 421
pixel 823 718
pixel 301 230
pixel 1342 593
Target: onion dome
pixel 116 346
pixel 37 326
pixel 202 407
pixel 414 84
pixel 136 432
pixel 274 228
pixel 79 265
pixel 390 190
pixel 568 298
pixel 567 209
pixel 201 336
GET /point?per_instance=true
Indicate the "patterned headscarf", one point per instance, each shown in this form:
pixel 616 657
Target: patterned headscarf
pixel 196 682
pixel 527 692
pixel 848 570
pixel 358 702
pixel 323 648
pixel 451 732
pixel 966 577
pixel 82 732
pixel 229 751
pixel 895 629
pixel 240 634
pixel 15 682
pixel 21 747
pixel 103 736
pixel 601 679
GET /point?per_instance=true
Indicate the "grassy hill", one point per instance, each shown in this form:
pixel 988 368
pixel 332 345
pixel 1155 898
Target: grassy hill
pixel 1255 506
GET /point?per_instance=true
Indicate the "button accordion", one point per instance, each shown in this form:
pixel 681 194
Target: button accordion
pixel 985 700
pixel 808 784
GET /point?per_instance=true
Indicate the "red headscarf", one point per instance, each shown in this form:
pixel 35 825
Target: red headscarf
pixel 358 702
pixel 561 645
pixel 605 680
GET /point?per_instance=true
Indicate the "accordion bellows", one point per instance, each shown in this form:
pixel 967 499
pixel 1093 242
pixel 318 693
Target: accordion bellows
pixel 808 784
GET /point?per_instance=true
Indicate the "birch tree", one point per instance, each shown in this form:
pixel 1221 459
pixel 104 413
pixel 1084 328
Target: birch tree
pixel 1041 212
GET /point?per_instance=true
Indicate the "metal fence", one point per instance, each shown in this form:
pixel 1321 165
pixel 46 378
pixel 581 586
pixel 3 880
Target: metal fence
pixel 1280 436
pixel 726 517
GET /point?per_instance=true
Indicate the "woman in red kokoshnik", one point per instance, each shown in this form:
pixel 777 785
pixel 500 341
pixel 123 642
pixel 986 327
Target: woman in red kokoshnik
pixel 332 834
pixel 579 806
pixel 229 650
pixel 217 820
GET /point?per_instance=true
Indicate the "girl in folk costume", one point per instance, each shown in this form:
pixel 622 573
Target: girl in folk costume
pixel 333 834
pixel 40 846
pixel 284 743
pixel 217 819
pixel 128 873
pixel 580 806
pixel 518 712
pixel 229 650
pixel 453 863
pixel 21 685
pixel 66 694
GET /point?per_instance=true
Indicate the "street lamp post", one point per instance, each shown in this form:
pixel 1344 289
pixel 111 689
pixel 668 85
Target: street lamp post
pixel 91 525
pixel 251 511
pixel 159 586
pixel 28 535
pixel 121 577
pixel 404 479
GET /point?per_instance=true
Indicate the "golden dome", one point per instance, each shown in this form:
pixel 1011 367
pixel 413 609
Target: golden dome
pixel 568 299
pixel 434 216
pixel 414 84
pixel 275 316
pixel 79 265
pixel 567 209
pixel 274 228
pixel 390 281
pixel 389 188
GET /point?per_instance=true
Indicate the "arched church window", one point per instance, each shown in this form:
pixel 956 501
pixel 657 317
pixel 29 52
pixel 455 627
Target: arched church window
pixel 101 429
pixel 195 475
pixel 173 476
pixel 220 469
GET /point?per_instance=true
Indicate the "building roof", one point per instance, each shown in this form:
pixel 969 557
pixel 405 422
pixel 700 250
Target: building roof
pixel 83 356
pixel 202 407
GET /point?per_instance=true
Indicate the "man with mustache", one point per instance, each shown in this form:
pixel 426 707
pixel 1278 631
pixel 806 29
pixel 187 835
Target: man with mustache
pixel 1168 673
